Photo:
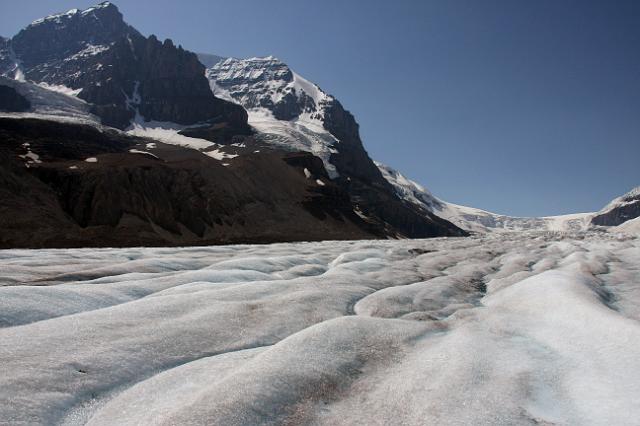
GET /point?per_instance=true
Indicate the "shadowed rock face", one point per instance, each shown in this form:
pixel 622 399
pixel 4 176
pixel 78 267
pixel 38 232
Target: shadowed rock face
pixel 43 46
pixel 183 196
pixel 159 80
pixel 351 157
pixel 119 70
pixel 178 197
pixel 370 190
pixel 7 64
pixel 620 210
pixel 12 101
pixel 261 84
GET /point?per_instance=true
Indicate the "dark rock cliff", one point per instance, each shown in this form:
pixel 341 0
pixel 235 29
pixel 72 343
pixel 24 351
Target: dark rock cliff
pixel 268 84
pixel 623 209
pixel 175 197
pixel 119 70
pixel 12 101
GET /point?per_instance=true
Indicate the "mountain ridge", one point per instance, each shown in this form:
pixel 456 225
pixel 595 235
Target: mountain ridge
pixel 617 212
pixel 108 62
pixel 297 112
pixel 230 111
pixel 156 97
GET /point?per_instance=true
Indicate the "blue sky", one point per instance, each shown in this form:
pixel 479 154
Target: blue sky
pixel 519 107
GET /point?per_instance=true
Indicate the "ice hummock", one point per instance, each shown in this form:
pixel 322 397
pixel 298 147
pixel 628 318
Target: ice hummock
pixel 513 328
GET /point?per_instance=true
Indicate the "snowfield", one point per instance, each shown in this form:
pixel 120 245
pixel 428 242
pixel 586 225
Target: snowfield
pixel 55 103
pixel 481 221
pixel 506 328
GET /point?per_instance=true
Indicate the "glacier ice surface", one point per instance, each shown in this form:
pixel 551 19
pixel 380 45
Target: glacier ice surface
pixel 528 328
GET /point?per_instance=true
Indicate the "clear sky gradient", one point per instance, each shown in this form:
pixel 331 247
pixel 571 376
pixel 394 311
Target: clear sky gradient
pixel 520 107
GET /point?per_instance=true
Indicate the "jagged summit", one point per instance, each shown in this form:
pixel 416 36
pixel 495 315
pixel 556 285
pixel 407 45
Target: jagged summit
pixel 268 84
pixel 290 111
pixel 59 18
pixel 43 47
pixel 96 55
pixel 158 90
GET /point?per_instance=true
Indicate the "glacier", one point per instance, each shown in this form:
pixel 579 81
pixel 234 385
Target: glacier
pixel 500 328
pixel 481 221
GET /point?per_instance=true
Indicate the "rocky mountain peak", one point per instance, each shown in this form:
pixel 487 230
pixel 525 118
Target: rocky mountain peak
pixel 133 82
pixel 103 60
pixel 47 42
pixel 292 112
pixel 619 210
pixel 104 10
pixel 269 84
pixel 253 70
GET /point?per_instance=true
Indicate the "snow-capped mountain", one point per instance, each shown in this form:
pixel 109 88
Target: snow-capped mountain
pixel 286 109
pixel 617 212
pixel 106 62
pixel 291 112
pixel 58 49
pixel 124 140
pixel 269 84
pixel 241 141
pixel 620 210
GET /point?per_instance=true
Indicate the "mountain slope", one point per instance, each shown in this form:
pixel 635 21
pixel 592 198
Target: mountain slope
pixel 109 64
pixel 620 210
pixel 290 112
pixel 46 103
pixel 69 185
pixel 120 140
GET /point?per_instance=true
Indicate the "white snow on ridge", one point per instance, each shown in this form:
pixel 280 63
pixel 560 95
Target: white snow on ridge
pixel 623 200
pixel 166 132
pixel 59 18
pixel 169 133
pixel 102 5
pixel 477 220
pixel 498 329
pixel 259 85
pixel 310 89
pixel 31 157
pixel 55 103
pixel 89 50
pixel 295 135
pixel 137 151
pixel 220 92
pixel 59 88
